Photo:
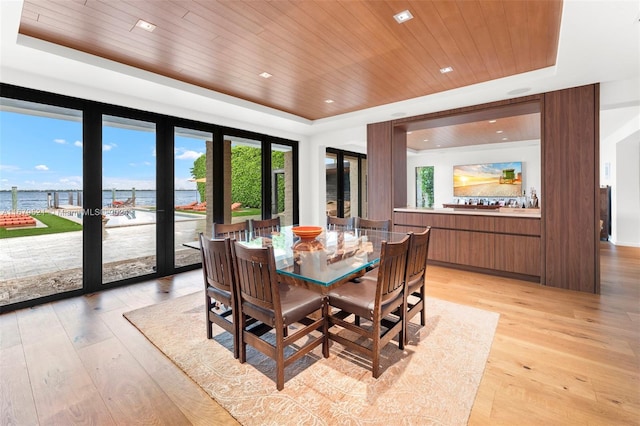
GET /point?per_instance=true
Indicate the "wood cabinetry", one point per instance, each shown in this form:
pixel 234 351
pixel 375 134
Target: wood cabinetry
pixel 496 244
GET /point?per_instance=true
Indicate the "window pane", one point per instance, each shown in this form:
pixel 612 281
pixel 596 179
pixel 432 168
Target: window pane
pixel 190 191
pixel 282 183
pixel 40 200
pixel 351 178
pixel 129 198
pixel 331 173
pixel 424 186
pixel 243 192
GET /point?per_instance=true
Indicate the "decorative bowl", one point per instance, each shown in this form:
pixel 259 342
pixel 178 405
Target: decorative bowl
pixel 307 232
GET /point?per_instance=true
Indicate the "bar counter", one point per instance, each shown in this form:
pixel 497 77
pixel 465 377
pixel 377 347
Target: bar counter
pixel 502 241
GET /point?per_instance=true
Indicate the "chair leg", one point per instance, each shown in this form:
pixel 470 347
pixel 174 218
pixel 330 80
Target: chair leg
pixel 280 360
pixel 207 303
pixel 402 337
pixel 242 345
pixel 325 328
pixel 375 357
pixel 423 316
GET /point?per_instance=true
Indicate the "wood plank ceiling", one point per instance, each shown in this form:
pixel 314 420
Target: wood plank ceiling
pixel 351 52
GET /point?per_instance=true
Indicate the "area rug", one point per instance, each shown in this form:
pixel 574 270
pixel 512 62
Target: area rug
pixel 433 381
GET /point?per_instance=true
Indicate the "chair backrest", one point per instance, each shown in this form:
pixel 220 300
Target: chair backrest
pixel 257 281
pixel 340 223
pixel 418 253
pixel 264 228
pixel 375 225
pixel 217 266
pixel 392 270
pixel 238 231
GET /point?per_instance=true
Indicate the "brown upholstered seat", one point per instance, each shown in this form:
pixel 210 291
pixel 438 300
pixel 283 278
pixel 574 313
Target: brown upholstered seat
pixel 265 227
pixel 237 231
pixel 416 274
pixel 220 304
pixel 379 298
pixel 277 306
pixel 340 223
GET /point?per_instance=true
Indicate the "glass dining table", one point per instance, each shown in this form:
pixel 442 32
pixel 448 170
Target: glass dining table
pixel 341 255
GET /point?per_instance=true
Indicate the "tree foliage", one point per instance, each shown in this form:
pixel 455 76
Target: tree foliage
pixel 425 179
pixel 199 170
pixel 246 176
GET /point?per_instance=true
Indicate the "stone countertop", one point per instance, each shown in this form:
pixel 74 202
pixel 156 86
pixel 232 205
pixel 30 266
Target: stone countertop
pixel 502 211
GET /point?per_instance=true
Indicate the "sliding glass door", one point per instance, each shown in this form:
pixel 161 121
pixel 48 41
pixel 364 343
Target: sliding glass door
pixel 345 174
pixel 192 148
pixel 40 200
pixel 243 179
pixel 128 198
pixel 95 195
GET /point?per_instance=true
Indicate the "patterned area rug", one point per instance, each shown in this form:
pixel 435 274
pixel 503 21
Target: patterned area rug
pixel 432 382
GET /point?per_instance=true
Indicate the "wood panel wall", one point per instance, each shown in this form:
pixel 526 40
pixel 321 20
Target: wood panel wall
pixel 570 179
pixel 570 174
pixel 380 171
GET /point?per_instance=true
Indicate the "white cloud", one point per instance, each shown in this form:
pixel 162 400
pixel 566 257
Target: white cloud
pixel 8 168
pixel 78 144
pixel 60 141
pixel 41 167
pixel 108 146
pixel 188 155
pixel 153 153
pixel 146 163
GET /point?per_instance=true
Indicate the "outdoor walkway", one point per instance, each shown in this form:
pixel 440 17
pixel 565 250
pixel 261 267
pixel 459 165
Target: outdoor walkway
pixel 28 256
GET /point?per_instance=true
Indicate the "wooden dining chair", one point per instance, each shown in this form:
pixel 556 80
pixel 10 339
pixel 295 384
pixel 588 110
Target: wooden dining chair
pixel 335 223
pixel 265 227
pixel 219 283
pixel 378 297
pixel 373 224
pixel 416 274
pixel 374 230
pixel 276 306
pixel 238 231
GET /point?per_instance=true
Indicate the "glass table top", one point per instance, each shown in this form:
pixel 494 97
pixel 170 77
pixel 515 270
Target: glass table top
pixel 340 255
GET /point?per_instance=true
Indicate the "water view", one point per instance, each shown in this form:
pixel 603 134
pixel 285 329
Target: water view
pixel 40 200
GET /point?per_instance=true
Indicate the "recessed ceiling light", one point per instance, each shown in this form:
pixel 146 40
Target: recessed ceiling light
pixel 329 101
pixel 403 16
pixel 504 139
pixel 147 26
pixel 425 140
pixel 492 121
pixel 265 75
pixel 438 146
pixel 409 133
pixel 446 70
pixel 498 131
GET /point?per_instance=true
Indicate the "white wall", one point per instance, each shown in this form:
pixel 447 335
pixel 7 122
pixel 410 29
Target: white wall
pixel 626 228
pixel 620 154
pixel 444 160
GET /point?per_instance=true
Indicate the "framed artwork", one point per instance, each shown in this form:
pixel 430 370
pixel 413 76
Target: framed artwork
pixel 488 180
pixel 424 186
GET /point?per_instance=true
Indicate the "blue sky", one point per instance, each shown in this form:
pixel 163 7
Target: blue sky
pixel 46 153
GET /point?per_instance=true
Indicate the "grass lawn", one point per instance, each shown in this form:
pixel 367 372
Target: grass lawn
pixel 55 224
pixel 246 212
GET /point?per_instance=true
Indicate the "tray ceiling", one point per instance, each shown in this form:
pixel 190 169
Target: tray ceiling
pixel 351 52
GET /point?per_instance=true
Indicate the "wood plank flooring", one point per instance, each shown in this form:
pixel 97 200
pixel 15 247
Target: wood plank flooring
pixel 558 357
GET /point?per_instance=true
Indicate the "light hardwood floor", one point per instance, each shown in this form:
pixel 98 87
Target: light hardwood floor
pixel 558 357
